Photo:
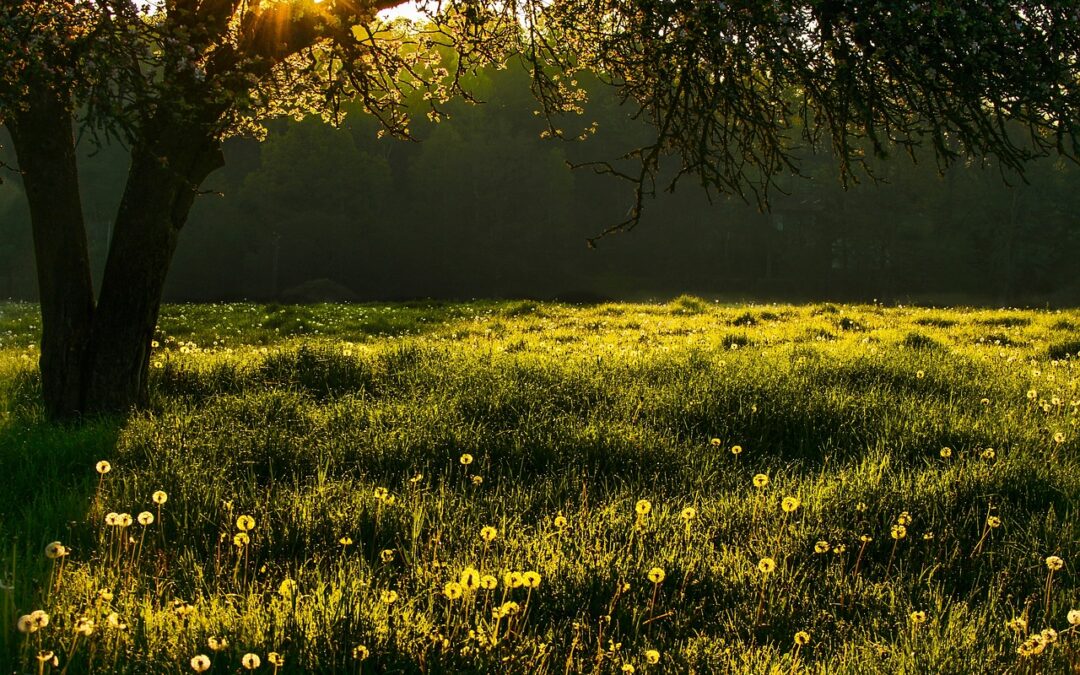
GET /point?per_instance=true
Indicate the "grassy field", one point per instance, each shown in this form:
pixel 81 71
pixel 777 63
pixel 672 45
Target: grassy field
pixel 521 487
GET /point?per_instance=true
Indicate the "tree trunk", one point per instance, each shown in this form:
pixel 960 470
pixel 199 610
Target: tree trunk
pixel 45 146
pixel 161 188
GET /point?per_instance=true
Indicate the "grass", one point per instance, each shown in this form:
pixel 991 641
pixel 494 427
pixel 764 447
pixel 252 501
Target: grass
pixel 341 430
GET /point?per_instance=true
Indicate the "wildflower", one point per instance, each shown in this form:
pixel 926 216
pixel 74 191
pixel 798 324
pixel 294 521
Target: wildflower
pixel 466 459
pixel 245 523
pixel 113 622
pixel 414 480
pixel 643 507
pixel 928 536
pixel 1074 617
pixel 39 618
pixel 993 522
pixel 389 597
pixel 656 575
pixel 988 454
pixel 84 626
pixel 200 663
pixel 477 480
pixel 488 582
pixel 985 401
pixel 1059 437
pixel 736 449
pixel 865 538
pixel 1054 563
pixel 861 507
pixel 1049 635
pixel 560 521
pixel 103 467
pixel 716 442
pixel 146 518
pixel 360 652
pixel 898 532
pixel 920 374
pixel 904 519
pixel 652 657
pixel 918 617
pixel 821 547
pixel 628 668
pixel 218 644
pixel 688 514
pixel 381 493
pixel 761 480
pixel 25 624
pixel 112 518
pixel 287 588
pixel 513 580
pixel 159 497
pixel 55 550
pixel 790 504
pixel 470 579
pixel 275 659
pixel 105 595
pixel 241 539
pixel 1019 624
pixel 251 661
pixel 802 637
pixel 452 590
pixel 530 579
pixel 345 541
pixel 46 655
pixel 123 520
pixel 946 453
pixel 387 555
pixel 766 565
pixel 1032 394
pixel 839 548
pixel 487 533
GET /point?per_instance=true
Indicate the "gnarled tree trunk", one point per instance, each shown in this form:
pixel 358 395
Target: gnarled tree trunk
pixel 45 146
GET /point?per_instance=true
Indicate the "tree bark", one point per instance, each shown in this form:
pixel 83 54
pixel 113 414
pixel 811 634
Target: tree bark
pixel 44 144
pixel 162 184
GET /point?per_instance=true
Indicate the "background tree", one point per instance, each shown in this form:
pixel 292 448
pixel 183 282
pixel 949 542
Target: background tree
pixel 731 89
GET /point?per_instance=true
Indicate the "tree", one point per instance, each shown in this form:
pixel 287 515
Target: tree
pixel 730 88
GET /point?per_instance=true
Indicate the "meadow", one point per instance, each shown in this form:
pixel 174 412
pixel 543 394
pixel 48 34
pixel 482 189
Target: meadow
pixel 523 487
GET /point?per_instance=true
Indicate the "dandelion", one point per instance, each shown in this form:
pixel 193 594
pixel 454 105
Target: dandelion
pixel 275 659
pixel 103 467
pixel 1054 563
pixel 381 493
pixel 1018 624
pixel 761 480
pixel 466 459
pixel 54 550
pixel 945 453
pixel 560 522
pixel 513 580
pixel 839 549
pixel 452 590
pixel 105 595
pixel 488 582
pixel 688 514
pixel 656 575
pixel 416 479
pixel 628 668
pixel 530 579
pixel 920 374
pixel 345 541
pixel 898 532
pixel 245 523
pixel 988 454
pixel 984 401
pixel 46 656
pixel 736 450
pixel 1059 437
pixel 389 597
pixel 716 442
pixel 801 638
pixel 643 507
pixel 387 555
pixel 40 618
pixel 200 663
pixel 159 497
pixel 360 652
pixel 1032 394
pixel 146 518
pixel 241 539
pixel 993 522
pixel 790 504
pixel 488 533
pixel 84 626
pixel 112 518
pixel 470 579
pixel 918 617
pixel 821 547
pixel 652 657
pixel 251 661
pixel 25 624
pixel 218 644
pixel 287 588
pixel 124 520
pixel 1074 617
pixel 477 481
pixel 904 519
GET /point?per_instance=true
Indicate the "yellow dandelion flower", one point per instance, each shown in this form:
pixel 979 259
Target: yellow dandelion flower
pixel 40 618
pixel 84 626
pixel 945 453
pixel 241 539
pixel 389 597
pixel 1049 635
pixel 790 504
pixel 488 582
pixel 560 521
pixel 1032 394
pixel 656 575
pixel 417 478
pixel 821 547
pixel 251 661
pixel 112 518
pixel 839 548
pixel 643 507
pixel 993 522
pixel 245 523
pixel 1018 624
pixel 466 459
pixel 103 467
pixel 1054 563
pixel 904 519
pixel 105 595
pixel 920 374
pixel 55 550
pixel 761 480
pixel 25 624
pixel 1074 617
pixel 345 541
pixel 688 514
pixel 477 480
pixel 530 579
pixel 146 518
pixel 452 590
pixel 124 520
pixel 218 644
pixel 470 578
pixel 652 657
pixel 275 659
pixel 488 533
pixel 865 538
pixel 387 555
pixel 766 565
pixel 898 532
pixel 1059 437
pixel 360 652
pixel 200 663
pixel 159 497
pixel 918 617
pixel 736 449
pixel 985 401
pixel 628 668
pixel 802 637
pixel 988 454
pixel 716 442
pixel 513 580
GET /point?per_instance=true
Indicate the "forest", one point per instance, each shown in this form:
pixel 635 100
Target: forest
pixel 483 205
